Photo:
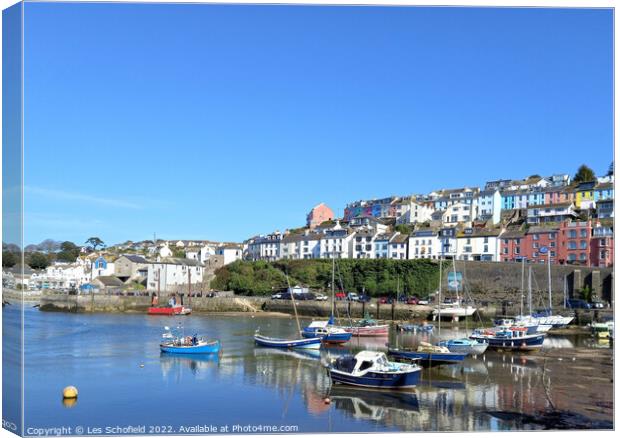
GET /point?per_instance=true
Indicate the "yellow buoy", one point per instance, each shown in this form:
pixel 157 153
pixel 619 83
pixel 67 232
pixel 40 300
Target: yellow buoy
pixel 70 392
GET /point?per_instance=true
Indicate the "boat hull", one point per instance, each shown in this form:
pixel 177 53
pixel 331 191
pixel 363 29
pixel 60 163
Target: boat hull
pixel 166 311
pixel 310 343
pixel 331 338
pixel 470 350
pixel 427 357
pixel 372 331
pixel 526 343
pixel 377 380
pixel 208 348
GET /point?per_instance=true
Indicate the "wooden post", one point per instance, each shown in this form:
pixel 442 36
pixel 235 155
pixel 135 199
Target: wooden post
pixel 393 309
pixel 378 305
pixel 363 308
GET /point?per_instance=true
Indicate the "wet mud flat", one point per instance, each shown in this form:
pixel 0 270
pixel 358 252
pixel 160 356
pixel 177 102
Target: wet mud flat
pixel 578 386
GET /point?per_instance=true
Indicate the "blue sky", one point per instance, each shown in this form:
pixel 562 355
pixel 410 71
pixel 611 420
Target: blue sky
pixel 221 122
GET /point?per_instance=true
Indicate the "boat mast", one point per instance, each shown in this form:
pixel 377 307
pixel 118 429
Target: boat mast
pixel 549 280
pixel 294 305
pixel 333 284
pixel 439 297
pixel 529 290
pixel 522 283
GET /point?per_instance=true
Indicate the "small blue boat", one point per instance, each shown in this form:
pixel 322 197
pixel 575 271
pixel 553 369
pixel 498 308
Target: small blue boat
pixel 513 338
pixel 428 354
pixel 266 341
pixel 328 333
pixel 464 345
pixel 191 345
pixel 371 369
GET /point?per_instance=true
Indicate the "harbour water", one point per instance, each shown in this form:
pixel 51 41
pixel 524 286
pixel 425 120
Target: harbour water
pixel 124 382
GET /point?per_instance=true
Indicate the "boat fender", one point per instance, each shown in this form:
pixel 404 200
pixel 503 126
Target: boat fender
pixel 327 400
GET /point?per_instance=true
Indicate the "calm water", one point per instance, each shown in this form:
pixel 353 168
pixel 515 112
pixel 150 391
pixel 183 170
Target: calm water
pixel 102 355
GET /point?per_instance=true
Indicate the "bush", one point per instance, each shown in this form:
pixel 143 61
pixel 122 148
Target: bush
pixel 374 277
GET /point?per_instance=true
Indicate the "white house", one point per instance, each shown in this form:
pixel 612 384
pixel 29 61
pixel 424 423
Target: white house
pixel 362 244
pixel 173 274
pixel 300 246
pixel 101 267
pixel 560 212
pixel 458 213
pixel 490 206
pixel 61 276
pixel 264 247
pixel 335 242
pixel 447 239
pixel 416 212
pixel 397 247
pixel 424 244
pixel 230 253
pixel 478 244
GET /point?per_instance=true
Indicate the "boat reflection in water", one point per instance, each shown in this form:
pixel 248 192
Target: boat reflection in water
pixel 194 363
pixel 374 405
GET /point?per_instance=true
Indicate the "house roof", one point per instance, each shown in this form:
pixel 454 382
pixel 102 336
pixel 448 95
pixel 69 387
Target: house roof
pixel 513 234
pixel 537 230
pixel 479 232
pixel 557 205
pixel 400 238
pixel 135 258
pixel 179 261
pixel 109 280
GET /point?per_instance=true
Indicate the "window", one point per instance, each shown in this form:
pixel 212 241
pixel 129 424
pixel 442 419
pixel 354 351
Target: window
pixel 505 251
pixel 572 234
pixel 572 257
pixel 535 254
pixel 552 253
pixel 582 256
pixel 535 245
pixel 517 250
pixel 572 245
pixel 552 244
pixel 583 244
pixel 486 248
pixel 583 233
pixel 535 236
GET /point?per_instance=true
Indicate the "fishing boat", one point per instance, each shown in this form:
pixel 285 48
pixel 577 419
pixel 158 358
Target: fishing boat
pixel 328 333
pixel 367 327
pixel 371 369
pixel 427 354
pixel 266 341
pixel 179 344
pixel 170 310
pixel 466 346
pixel 512 338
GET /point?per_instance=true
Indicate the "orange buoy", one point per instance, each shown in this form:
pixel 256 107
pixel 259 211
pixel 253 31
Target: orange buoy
pixel 70 392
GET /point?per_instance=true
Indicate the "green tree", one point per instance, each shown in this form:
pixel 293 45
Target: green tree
pixel 402 228
pixel 69 251
pixel 95 242
pixel 584 174
pixel 9 259
pixel 38 260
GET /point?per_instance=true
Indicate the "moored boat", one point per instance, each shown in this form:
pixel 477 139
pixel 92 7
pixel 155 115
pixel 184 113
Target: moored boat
pixel 466 346
pixel 513 338
pixel 169 310
pixel 179 344
pixel 427 354
pixel 371 369
pixel 328 333
pixel 266 341
pixel 600 330
pixel 367 327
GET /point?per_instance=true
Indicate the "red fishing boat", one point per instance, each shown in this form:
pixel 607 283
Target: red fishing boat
pixel 170 310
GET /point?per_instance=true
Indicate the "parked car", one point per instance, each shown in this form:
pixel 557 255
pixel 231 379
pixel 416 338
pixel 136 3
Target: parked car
pixel 578 304
pixel 320 297
pixel 352 296
pixel 412 300
pixel 597 305
pixel 423 302
pixel 363 298
pixel 386 300
pixel 340 295
pixel 306 296
pixel 277 296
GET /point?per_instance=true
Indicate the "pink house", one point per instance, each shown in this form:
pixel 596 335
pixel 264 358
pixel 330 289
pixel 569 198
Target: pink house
pixel 319 214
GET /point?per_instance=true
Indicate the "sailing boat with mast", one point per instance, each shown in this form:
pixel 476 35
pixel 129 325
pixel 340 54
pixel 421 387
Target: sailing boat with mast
pixel 266 341
pixel 453 309
pixel 326 330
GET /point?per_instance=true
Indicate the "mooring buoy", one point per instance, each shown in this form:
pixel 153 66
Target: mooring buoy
pixel 70 392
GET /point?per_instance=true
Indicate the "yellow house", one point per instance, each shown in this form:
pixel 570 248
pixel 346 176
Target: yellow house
pixel 584 195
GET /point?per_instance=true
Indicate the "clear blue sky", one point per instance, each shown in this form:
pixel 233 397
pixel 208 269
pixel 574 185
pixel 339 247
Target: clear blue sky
pixel 221 122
